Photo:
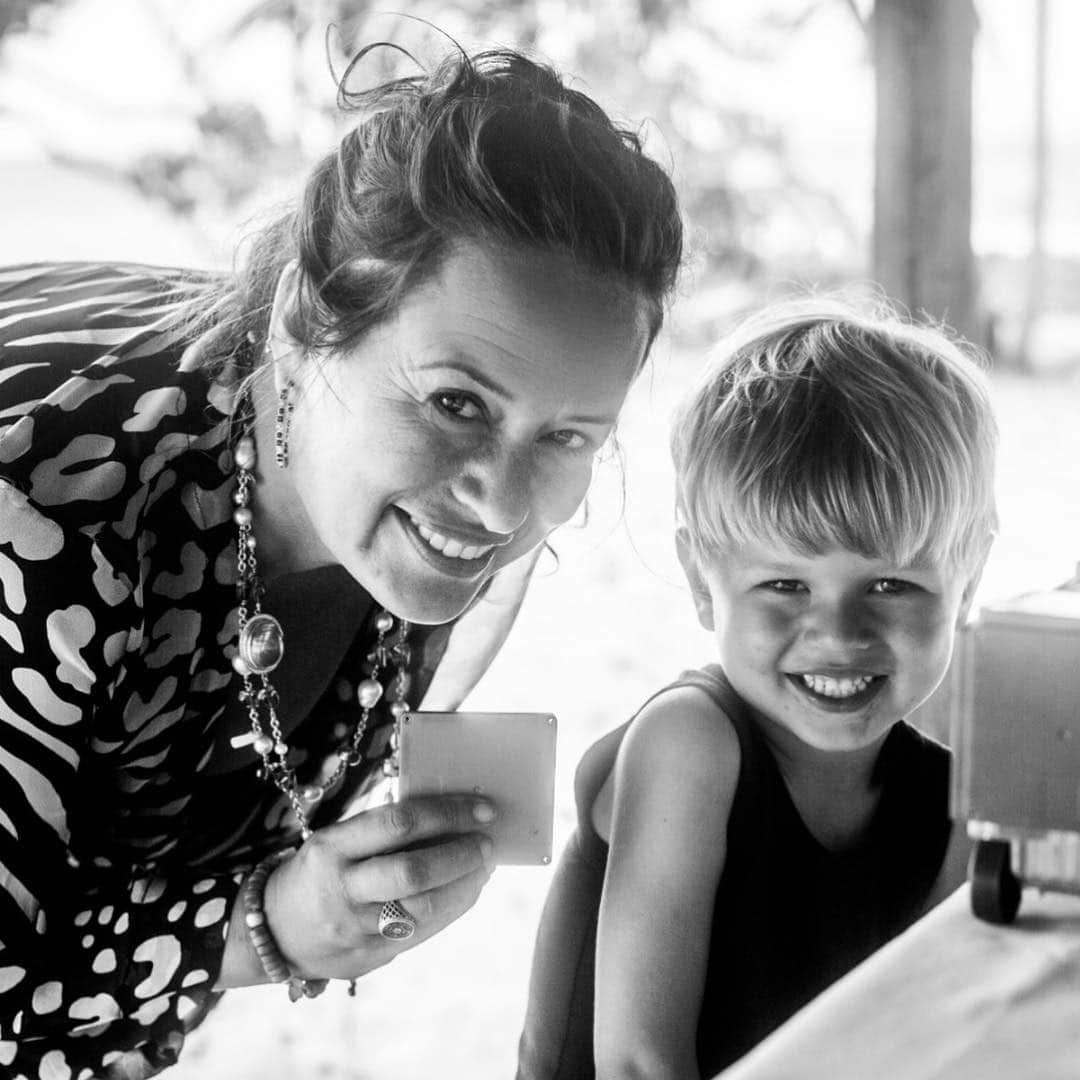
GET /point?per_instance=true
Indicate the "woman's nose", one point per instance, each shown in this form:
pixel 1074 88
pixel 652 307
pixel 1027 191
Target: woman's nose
pixel 496 486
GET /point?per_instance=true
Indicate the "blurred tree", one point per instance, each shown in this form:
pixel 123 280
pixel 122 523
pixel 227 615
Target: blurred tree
pixel 18 15
pixel 668 60
pixel 922 251
pixel 1036 283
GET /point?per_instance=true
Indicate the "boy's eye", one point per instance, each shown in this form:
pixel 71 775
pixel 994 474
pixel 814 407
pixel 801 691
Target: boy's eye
pixel 892 586
pixel 784 585
pixel 458 405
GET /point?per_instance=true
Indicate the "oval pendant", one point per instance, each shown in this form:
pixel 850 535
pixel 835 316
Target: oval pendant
pixel 262 644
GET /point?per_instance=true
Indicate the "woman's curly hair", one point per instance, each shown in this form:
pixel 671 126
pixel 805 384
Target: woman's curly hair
pixel 491 148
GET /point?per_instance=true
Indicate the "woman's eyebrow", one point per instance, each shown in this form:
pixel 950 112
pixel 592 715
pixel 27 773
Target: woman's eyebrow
pixel 473 372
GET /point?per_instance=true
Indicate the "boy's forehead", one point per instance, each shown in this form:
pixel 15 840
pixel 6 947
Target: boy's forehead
pixel 774 552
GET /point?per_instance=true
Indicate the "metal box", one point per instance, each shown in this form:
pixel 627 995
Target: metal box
pixel 1014 703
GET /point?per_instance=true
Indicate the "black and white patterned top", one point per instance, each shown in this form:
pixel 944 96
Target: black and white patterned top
pixel 120 849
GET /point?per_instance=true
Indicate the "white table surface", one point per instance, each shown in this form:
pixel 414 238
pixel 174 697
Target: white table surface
pixel 952 998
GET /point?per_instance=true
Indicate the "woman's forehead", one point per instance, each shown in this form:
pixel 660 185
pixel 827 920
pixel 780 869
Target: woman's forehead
pixel 528 308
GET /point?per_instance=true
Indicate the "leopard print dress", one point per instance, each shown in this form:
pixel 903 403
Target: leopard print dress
pixel 120 849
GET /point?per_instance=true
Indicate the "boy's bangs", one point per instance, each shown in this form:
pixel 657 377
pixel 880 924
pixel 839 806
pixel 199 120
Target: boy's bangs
pixel 812 504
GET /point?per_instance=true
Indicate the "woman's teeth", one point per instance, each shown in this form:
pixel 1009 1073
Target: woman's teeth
pixel 837 688
pixel 452 549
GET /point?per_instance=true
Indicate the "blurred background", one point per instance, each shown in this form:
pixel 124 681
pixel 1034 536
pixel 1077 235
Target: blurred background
pixel 931 146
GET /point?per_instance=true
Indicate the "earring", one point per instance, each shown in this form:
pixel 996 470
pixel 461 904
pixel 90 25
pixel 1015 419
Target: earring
pixel 281 425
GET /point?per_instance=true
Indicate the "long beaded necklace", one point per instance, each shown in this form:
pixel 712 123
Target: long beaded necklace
pixel 260 648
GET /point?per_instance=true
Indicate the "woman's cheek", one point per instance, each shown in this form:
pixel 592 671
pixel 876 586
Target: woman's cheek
pixel 562 491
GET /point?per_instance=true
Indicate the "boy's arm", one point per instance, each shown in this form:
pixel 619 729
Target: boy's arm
pixel 675 780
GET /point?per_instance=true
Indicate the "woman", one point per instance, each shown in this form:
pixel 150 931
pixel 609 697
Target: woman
pixel 239 517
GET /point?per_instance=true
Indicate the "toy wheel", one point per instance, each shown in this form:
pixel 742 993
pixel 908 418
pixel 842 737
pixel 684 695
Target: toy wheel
pixel 995 889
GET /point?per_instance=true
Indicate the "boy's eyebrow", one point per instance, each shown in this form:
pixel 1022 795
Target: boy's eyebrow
pixel 766 566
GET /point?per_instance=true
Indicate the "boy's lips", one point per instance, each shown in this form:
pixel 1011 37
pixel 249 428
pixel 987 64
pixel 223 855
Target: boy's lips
pixel 835 692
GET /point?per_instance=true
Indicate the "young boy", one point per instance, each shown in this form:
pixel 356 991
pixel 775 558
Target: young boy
pixel 762 825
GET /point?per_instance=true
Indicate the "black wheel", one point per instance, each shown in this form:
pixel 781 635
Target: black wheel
pixel 995 889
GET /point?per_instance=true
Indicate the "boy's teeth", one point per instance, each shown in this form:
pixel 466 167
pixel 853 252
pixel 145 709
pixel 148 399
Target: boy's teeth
pixel 837 688
pixel 453 549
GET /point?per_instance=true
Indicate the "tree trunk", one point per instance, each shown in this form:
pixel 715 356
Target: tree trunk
pixel 1040 178
pixel 922 185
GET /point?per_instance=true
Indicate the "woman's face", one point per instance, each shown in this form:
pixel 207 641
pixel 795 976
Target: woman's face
pixel 458 434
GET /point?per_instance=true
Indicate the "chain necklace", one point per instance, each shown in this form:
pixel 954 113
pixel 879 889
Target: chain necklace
pixel 260 647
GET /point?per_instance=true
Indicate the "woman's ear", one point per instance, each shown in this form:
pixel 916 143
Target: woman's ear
pixel 283 351
pixel 698 588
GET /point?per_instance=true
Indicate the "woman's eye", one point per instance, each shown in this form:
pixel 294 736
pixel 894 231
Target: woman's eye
pixel 458 405
pixel 570 440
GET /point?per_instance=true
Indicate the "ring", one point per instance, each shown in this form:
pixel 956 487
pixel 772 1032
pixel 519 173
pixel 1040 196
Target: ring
pixel 395 922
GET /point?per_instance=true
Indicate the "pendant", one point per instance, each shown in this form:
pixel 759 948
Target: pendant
pixel 262 644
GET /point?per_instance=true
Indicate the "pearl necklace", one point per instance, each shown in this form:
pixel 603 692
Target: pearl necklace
pixel 260 648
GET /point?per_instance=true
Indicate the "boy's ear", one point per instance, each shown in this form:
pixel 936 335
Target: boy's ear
pixel 972 584
pixel 698 589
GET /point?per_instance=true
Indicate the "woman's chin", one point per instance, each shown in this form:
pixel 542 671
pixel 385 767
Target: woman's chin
pixel 431 606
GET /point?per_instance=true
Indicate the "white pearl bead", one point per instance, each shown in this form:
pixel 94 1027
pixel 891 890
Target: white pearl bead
pixel 368 693
pixel 384 621
pixel 240 667
pixel 311 793
pixel 245 453
pixel 263 745
pixel 242 516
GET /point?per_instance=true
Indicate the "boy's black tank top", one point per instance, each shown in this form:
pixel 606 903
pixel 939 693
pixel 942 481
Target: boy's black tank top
pixel 790 917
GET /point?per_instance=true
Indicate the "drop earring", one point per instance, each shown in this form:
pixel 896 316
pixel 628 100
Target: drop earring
pixel 282 422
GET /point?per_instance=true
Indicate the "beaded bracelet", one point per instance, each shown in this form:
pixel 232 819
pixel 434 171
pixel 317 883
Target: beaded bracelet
pixel 262 940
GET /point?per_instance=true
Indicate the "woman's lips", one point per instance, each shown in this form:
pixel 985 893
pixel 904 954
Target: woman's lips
pixel 452 549
pixel 447 555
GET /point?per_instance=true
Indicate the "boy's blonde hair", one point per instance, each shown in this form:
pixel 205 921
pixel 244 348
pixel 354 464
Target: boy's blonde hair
pixel 819 426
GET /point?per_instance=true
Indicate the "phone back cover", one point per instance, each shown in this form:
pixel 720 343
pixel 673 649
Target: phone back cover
pixel 506 757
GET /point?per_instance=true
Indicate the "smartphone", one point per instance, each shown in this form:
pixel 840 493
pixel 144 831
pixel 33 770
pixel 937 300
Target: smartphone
pixel 508 757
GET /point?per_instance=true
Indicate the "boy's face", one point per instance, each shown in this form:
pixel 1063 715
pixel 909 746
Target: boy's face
pixel 833 647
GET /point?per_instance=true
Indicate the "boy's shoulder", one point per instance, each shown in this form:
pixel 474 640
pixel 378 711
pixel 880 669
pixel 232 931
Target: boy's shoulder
pixel 694 721
pixel 681 740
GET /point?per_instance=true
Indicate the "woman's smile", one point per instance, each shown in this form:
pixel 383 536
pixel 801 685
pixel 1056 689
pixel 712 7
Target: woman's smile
pixel 450 547
pixel 447 556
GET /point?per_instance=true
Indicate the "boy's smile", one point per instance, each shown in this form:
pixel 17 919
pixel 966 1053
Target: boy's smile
pixel 835 647
pixel 843 692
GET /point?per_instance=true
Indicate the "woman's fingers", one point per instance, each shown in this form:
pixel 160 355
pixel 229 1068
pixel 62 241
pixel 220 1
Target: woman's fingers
pixel 418 870
pixel 399 825
pixel 432 910
pixel 322 905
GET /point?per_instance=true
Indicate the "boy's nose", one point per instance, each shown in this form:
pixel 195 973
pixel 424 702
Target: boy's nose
pixel 843 625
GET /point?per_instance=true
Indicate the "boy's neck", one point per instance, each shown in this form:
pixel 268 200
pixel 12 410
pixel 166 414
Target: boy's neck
pixel 833 791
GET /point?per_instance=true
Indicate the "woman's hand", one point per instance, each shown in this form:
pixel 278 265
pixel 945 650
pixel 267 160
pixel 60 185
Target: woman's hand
pixel 322 905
